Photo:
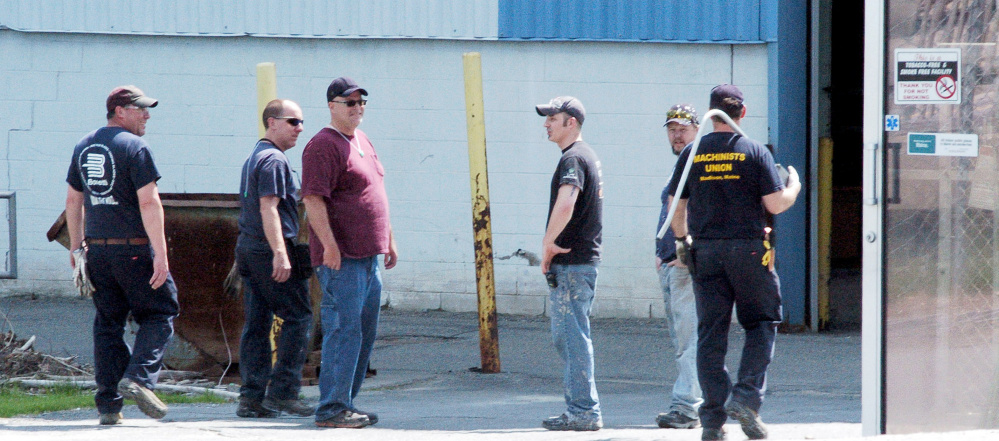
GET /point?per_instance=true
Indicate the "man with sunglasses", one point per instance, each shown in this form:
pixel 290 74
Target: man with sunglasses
pixel 678 293
pixel 113 211
pixel 721 236
pixel 344 193
pixel 268 221
pixel 570 253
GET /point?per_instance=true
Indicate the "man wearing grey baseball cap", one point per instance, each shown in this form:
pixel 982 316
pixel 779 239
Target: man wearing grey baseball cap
pixel 570 254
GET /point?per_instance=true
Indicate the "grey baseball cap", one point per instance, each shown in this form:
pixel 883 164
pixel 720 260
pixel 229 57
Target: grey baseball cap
pixel 570 105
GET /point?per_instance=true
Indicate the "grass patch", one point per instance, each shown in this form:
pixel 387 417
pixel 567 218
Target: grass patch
pixel 16 401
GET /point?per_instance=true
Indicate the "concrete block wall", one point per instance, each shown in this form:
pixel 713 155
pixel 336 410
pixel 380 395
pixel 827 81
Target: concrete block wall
pixel 206 124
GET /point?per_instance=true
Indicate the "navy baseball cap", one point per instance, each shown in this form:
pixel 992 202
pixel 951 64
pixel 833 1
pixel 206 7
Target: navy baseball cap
pixel 570 105
pixel 343 86
pixel 722 91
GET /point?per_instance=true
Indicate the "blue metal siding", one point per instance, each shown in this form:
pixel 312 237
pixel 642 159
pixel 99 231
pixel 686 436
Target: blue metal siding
pixel 706 21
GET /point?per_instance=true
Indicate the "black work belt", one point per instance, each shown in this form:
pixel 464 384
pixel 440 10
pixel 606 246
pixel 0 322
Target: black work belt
pixel 119 241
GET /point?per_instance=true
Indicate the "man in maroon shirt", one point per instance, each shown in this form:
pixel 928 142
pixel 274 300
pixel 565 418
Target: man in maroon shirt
pixel 343 179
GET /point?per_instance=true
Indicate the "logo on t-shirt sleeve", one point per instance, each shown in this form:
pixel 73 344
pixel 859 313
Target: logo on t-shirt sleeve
pixel 570 174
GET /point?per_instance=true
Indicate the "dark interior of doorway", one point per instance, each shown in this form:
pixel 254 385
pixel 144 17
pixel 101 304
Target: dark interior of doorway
pixel 846 114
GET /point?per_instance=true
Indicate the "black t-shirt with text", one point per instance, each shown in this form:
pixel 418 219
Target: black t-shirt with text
pixel 725 188
pixel 580 167
pixel 109 165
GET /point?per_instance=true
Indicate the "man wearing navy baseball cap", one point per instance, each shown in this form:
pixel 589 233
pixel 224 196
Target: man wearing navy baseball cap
pixel 343 187
pixel 570 254
pixel 721 236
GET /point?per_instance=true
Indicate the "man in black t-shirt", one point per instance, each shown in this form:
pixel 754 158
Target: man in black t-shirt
pixel 732 183
pixel 570 254
pixel 114 203
pixel 268 223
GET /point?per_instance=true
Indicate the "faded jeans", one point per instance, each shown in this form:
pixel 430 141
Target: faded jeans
pixel 571 303
pixel 681 322
pixel 349 312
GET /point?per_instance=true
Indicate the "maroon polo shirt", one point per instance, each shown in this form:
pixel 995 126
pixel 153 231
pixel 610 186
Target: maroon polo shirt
pixel 353 187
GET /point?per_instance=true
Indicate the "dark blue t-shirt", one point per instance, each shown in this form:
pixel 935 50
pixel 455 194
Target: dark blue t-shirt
pixel 665 247
pixel 109 165
pixel 267 172
pixel 726 185
pixel 580 167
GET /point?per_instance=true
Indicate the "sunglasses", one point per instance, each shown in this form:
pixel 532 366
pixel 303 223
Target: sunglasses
pixel 352 103
pixel 681 114
pixel 291 120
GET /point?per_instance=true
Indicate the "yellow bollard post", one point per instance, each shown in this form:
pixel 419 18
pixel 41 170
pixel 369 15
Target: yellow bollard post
pixel 825 227
pixel 267 91
pixel 481 226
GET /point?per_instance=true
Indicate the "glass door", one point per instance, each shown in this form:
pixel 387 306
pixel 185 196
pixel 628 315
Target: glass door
pixel 938 195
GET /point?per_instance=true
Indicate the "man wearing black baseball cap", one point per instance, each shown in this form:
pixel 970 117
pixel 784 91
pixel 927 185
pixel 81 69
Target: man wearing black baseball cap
pixel 722 236
pixel 113 212
pixel 343 187
pixel 570 254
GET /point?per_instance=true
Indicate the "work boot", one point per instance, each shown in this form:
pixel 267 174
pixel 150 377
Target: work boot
pixel 713 434
pixel 677 420
pixel 110 419
pixel 752 425
pixel 346 419
pixel 148 402
pixel 294 407
pixel 567 422
pixel 250 408
pixel 373 417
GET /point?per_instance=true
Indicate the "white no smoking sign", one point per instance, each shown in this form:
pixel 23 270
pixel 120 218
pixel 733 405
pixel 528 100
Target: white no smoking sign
pixel 928 76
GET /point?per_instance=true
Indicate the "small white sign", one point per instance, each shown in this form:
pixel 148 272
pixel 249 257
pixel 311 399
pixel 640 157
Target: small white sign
pixel 928 76
pixel 943 144
pixel 891 123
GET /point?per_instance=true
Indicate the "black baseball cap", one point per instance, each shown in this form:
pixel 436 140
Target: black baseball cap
pixel 343 86
pixel 722 91
pixel 567 104
pixel 128 95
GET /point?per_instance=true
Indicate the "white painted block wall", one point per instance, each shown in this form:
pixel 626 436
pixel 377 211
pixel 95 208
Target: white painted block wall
pixel 53 86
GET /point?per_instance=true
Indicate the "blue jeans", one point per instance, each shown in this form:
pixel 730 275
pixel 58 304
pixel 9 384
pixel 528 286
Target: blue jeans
pixel 571 303
pixel 730 272
pixel 681 322
pixel 121 274
pixel 263 299
pixel 349 310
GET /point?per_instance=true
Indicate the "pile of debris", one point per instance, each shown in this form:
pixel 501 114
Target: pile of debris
pixel 21 364
pixel 19 359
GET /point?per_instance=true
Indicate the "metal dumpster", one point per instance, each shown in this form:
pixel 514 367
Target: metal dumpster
pixel 201 231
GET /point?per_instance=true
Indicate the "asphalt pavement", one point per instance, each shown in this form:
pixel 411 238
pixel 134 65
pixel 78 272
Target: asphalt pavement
pixel 427 388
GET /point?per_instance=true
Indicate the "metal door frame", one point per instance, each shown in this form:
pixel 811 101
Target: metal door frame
pixel 872 328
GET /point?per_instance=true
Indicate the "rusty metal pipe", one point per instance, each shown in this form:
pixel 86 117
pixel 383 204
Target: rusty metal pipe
pixel 481 226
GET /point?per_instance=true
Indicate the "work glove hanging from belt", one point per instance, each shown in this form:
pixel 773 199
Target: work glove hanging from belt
pixel 683 245
pixel 81 278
